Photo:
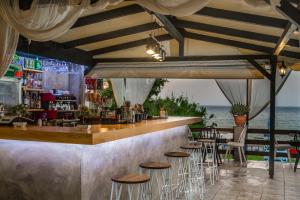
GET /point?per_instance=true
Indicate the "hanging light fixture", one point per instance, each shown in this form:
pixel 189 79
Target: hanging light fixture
pixel 150 47
pixel 282 69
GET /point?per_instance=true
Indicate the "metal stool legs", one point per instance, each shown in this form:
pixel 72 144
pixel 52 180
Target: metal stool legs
pixel 211 158
pixel 160 182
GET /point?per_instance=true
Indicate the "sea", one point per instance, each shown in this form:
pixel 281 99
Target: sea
pixel 287 118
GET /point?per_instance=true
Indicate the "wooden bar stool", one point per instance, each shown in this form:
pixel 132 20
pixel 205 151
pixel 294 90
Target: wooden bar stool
pixel 141 181
pixel 160 178
pixel 180 160
pixel 196 173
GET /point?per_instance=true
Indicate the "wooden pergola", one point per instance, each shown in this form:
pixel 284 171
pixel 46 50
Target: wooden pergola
pixel 224 30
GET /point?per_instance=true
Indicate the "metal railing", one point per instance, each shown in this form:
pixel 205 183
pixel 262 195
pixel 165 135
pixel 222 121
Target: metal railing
pixel 256 142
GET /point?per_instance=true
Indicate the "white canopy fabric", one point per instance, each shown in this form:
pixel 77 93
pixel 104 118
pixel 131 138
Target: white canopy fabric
pixel 258 92
pixel 8 40
pixel 135 90
pixel 41 22
pixel 179 69
pixel 179 8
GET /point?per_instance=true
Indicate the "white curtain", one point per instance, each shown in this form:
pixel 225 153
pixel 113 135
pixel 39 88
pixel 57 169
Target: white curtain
pixel 179 8
pixel 43 21
pixel 135 90
pixel 262 3
pixel 8 40
pixel 258 92
pixel 118 86
pixel 138 89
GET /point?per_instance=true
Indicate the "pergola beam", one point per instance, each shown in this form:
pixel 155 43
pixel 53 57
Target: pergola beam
pixel 290 12
pixel 128 45
pixel 286 35
pixel 113 34
pixel 284 39
pixel 239 44
pixel 169 27
pixel 243 17
pixel 108 15
pixel 233 32
pixel 186 58
pixel 259 68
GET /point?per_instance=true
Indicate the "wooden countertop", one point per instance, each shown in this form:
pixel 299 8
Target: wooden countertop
pixel 97 134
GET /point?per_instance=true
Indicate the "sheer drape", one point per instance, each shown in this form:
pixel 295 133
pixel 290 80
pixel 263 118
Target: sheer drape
pixel 263 3
pixel 135 90
pixel 138 89
pixel 177 8
pixel 258 92
pixel 8 40
pixel 118 86
pixel 43 21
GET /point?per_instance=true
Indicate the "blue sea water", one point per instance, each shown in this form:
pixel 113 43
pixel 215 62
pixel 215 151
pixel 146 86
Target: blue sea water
pixel 287 118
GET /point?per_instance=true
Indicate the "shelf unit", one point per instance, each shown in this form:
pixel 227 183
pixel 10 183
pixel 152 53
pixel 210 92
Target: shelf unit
pixel 32 89
pixel 32 70
pixel 35 110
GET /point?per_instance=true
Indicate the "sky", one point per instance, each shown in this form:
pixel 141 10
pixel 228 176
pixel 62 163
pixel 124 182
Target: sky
pixel 206 92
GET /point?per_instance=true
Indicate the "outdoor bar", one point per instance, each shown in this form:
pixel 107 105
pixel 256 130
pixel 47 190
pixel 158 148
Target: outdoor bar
pixel 83 115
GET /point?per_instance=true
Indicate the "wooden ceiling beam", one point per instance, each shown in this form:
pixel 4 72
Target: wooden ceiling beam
pixel 128 45
pixel 290 12
pixel 259 68
pixel 55 50
pixel 186 58
pixel 113 34
pixel 233 32
pixel 243 17
pixel 108 15
pixel 169 27
pixel 238 44
pixel 286 35
pixel 284 39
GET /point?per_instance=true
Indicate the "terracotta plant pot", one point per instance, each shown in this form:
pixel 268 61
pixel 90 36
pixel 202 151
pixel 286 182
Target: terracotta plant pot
pixel 240 120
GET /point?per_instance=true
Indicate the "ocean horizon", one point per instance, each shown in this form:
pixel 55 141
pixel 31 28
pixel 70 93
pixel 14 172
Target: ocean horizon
pixel 287 118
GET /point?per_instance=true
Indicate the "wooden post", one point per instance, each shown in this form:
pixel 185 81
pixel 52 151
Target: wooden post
pixel 273 62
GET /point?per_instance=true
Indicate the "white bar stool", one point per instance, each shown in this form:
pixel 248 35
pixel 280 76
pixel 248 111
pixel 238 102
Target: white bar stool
pixel 160 179
pixel 133 181
pixel 196 173
pixel 180 161
pixel 210 161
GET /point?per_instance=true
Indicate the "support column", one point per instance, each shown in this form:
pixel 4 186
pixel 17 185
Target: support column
pixel 273 62
pixel 181 49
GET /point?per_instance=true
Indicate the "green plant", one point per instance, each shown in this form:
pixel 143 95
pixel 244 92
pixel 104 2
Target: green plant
pixel 239 109
pixel 19 110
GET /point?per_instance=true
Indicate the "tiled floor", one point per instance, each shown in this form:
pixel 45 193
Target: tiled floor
pixel 253 183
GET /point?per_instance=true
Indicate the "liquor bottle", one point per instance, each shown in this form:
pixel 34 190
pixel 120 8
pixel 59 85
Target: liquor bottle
pixel 37 64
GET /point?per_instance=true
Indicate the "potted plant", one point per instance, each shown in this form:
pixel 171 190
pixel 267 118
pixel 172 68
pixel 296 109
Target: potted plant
pixel 84 113
pixel 239 112
pixel 20 111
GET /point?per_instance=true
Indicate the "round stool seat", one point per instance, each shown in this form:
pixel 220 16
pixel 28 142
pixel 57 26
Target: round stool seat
pixel 191 146
pixel 155 165
pixel 133 178
pixel 179 154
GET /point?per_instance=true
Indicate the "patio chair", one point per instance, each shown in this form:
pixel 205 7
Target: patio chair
pixel 240 144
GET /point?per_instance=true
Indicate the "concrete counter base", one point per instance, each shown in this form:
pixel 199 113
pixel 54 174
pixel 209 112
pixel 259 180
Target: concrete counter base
pixel 54 171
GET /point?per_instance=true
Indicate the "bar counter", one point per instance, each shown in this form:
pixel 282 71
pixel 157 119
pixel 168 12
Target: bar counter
pixel 67 163
pixel 96 135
